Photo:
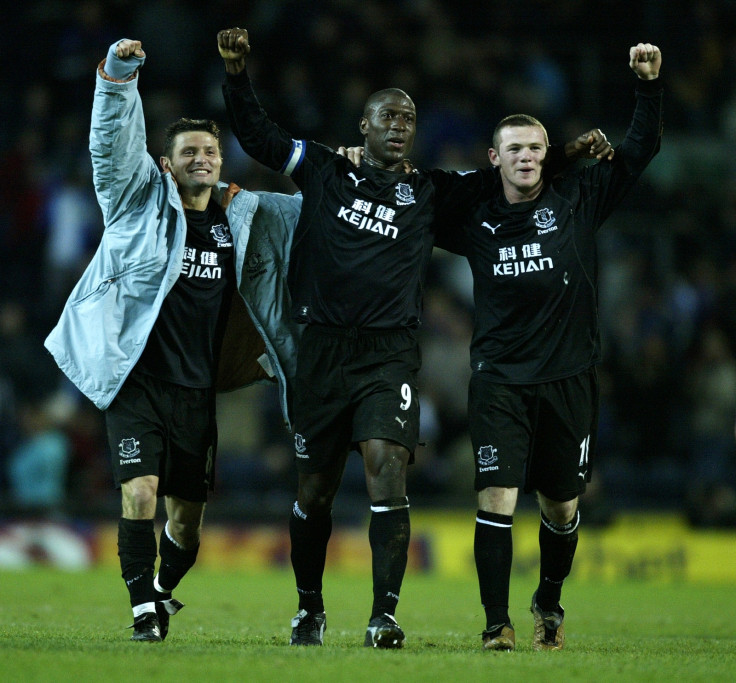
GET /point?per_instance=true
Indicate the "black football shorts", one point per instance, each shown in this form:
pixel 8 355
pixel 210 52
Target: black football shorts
pixel 539 437
pixel 351 386
pixel 155 427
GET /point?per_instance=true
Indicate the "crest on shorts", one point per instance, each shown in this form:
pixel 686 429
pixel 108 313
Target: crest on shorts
pixel 300 444
pixel 221 233
pixel 487 456
pixel 128 448
pixel 404 194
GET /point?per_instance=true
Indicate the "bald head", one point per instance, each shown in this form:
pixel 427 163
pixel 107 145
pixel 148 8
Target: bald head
pixel 388 125
pixel 378 98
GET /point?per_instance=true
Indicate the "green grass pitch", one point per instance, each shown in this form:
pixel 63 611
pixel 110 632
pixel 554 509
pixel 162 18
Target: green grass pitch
pixel 69 626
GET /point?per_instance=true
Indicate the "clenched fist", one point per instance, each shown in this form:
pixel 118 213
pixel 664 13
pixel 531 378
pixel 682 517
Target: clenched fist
pixel 233 43
pixel 645 60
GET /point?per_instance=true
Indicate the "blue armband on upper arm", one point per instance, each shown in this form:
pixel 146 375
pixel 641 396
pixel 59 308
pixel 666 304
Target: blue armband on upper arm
pixel 296 156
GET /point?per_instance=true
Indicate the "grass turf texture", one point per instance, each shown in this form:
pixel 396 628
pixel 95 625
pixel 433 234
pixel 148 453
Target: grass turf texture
pixel 58 626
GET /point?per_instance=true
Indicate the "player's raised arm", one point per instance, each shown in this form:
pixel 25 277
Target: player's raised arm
pixel 233 46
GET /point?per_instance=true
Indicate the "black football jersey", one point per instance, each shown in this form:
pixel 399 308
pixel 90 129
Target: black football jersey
pixel 364 238
pixel 361 249
pixel 535 265
pixel 185 341
pixel 535 301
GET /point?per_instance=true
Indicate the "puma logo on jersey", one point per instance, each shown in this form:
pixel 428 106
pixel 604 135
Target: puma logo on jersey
pixel 490 227
pixel 355 179
pixel 401 422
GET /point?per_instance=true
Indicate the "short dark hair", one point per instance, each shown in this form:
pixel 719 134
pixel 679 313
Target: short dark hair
pixel 187 125
pixel 521 120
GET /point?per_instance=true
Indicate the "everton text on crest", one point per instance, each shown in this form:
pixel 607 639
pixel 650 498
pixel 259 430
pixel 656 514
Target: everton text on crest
pixel 221 233
pixel 404 194
pixel 128 450
pixel 545 220
pixel 487 458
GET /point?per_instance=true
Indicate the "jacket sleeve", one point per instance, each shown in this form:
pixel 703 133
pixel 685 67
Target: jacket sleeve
pixel 121 166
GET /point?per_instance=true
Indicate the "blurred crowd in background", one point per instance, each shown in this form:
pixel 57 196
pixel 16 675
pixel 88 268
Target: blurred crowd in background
pixel 668 257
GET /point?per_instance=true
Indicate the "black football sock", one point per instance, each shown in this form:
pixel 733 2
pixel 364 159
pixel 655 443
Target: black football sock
pixel 493 547
pixel 557 544
pixel 137 552
pixel 175 563
pixel 388 534
pixel 309 537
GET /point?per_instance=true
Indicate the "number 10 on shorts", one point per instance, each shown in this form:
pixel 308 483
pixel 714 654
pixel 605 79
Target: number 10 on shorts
pixel 583 464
